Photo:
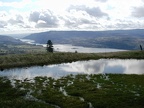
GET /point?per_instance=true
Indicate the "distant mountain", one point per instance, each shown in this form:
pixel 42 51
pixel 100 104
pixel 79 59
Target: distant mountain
pixel 9 40
pixel 19 36
pixel 119 39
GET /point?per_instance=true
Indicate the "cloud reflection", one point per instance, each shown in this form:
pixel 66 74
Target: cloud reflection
pixel 131 66
pixel 101 66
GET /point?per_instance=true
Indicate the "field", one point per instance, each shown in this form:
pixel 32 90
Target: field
pixel 6 49
pixel 79 91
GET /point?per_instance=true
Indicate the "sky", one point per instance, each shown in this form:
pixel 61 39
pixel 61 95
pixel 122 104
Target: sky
pixel 24 16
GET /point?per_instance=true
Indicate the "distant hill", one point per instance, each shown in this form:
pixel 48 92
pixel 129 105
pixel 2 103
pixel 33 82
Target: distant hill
pixel 9 40
pixel 119 39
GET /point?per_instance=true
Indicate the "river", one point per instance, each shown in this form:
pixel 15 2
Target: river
pixel 71 48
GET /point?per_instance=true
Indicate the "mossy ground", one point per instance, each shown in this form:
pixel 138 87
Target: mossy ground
pixel 80 91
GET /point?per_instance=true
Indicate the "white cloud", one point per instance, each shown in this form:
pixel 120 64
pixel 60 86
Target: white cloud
pixel 34 16
pixel 41 24
pixel 94 11
pixel 17 20
pixel 3 24
pixel 138 12
pixel 71 14
pixel 44 19
pixel 101 0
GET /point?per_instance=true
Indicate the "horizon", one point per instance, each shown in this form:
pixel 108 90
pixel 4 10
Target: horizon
pixel 30 16
pixel 25 33
pixel 22 35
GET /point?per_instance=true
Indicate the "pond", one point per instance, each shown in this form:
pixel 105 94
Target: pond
pixel 102 66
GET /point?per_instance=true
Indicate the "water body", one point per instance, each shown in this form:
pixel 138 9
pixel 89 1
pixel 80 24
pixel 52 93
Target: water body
pixel 102 66
pixel 71 48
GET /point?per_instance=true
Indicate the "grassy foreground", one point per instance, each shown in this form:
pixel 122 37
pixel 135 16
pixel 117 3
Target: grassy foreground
pixel 80 91
pixel 21 60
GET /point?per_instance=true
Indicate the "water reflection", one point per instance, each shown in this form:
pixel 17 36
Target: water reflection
pixel 81 67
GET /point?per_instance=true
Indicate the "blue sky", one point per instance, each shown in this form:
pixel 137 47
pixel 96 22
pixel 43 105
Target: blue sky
pixel 22 16
pixel 10 0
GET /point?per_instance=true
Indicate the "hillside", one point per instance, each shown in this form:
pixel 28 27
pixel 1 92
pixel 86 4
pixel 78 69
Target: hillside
pixel 9 40
pixel 10 45
pixel 119 39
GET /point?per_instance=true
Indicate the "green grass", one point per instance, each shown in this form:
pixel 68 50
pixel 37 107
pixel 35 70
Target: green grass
pixel 20 49
pixel 124 55
pixel 11 97
pixel 21 60
pixel 31 59
pixel 102 91
pixel 80 91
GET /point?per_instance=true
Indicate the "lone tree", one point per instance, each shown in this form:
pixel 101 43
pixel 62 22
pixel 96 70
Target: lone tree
pixel 49 47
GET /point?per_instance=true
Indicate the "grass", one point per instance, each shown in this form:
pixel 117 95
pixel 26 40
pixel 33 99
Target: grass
pixel 11 97
pixel 124 55
pixel 31 59
pixel 20 49
pixel 21 60
pixel 80 91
